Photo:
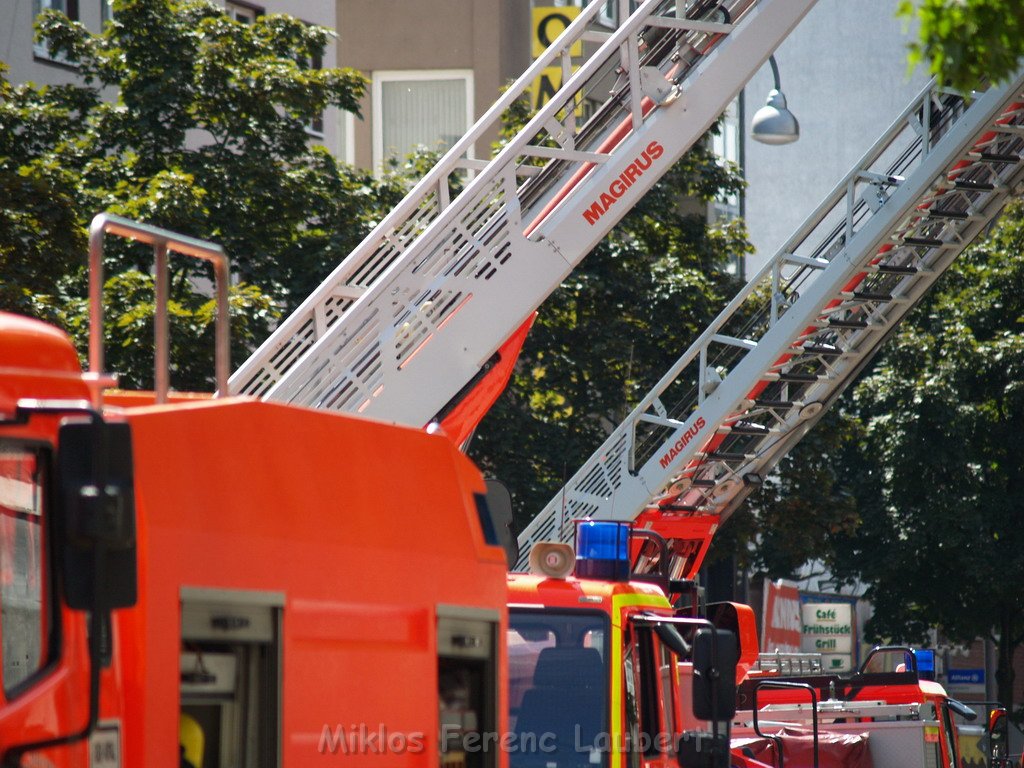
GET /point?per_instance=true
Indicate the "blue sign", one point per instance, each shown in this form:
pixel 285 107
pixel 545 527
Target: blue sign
pixel 965 676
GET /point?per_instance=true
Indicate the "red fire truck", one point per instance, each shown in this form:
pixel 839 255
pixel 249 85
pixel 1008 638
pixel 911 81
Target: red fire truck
pixel 227 571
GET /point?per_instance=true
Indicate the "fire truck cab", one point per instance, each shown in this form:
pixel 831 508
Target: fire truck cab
pixel 229 582
pixel 604 671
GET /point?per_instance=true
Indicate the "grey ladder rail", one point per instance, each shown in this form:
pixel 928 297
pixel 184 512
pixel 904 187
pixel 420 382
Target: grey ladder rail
pixel 762 374
pixel 415 312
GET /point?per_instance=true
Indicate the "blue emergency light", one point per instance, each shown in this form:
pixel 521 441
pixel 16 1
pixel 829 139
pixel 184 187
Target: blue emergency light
pixel 602 550
pixel 925 658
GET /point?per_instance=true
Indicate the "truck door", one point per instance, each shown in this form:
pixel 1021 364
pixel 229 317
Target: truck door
pixel 230 679
pixel 653 715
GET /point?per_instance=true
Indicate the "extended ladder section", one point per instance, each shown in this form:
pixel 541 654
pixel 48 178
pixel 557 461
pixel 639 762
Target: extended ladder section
pixel 785 348
pixel 417 311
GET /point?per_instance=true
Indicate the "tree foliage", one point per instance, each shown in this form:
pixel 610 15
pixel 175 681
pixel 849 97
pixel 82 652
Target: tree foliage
pixel 915 484
pixel 943 418
pixel 967 42
pixel 188 120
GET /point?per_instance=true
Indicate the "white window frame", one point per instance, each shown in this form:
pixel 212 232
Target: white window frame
pixel 346 131
pixel 234 10
pixel 311 129
pixel 40 49
pixel 382 76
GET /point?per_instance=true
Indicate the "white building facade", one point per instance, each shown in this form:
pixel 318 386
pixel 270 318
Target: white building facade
pixel 30 62
pixel 844 74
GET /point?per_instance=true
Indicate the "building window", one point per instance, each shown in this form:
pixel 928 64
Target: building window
pixel 24 605
pixel 726 146
pixel 609 14
pixel 315 127
pixel 429 108
pixel 68 7
pixel 346 137
pixel 243 13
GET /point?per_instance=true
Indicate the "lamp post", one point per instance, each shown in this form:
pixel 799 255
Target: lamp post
pixel 774 123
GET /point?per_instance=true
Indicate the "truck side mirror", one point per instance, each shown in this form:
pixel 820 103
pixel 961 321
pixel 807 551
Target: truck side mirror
pixel 715 656
pixel 96 518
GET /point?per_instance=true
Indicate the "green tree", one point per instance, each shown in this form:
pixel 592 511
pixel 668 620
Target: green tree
pixel 943 413
pixel 967 42
pixel 610 332
pixel 206 135
pixel 922 483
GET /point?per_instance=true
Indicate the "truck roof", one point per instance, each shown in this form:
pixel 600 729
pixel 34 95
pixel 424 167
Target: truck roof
pixel 526 589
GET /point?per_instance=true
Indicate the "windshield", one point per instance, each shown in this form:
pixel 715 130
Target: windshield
pixel 558 688
pixel 22 617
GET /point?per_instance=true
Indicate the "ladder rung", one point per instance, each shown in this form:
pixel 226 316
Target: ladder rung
pixel 799 377
pixel 868 296
pixel 821 349
pixel 938 213
pixel 981 186
pixel 872 296
pixel 896 269
pixel 747 428
pixel 726 456
pixel 679 507
pixel 780 404
pixel 930 242
pixel 995 157
pixel 836 322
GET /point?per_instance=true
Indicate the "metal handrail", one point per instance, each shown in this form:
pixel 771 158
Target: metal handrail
pixel 779 684
pixel 162 241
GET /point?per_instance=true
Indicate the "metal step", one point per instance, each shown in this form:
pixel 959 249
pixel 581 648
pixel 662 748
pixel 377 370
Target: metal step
pixel 895 269
pixel 797 376
pixel 977 186
pixel 774 404
pixel 823 350
pixel 929 242
pixel 936 213
pixel 746 428
pixel 726 456
pixel 837 322
pixel 867 296
pixel 994 157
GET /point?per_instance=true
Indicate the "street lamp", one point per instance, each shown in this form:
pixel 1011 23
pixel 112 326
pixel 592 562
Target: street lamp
pixel 774 123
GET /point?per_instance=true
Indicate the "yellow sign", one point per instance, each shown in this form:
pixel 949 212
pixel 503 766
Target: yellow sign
pixel 548 24
pixel 544 87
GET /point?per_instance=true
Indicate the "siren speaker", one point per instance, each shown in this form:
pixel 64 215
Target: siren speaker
pixel 552 559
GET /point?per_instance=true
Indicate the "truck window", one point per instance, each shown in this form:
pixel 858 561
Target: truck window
pixel 23 613
pixel 559 695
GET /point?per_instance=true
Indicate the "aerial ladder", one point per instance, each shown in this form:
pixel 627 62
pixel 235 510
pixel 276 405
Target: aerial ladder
pixel 433 305
pixel 766 369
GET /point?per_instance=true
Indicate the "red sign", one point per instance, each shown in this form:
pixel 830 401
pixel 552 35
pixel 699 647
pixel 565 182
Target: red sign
pixel 781 617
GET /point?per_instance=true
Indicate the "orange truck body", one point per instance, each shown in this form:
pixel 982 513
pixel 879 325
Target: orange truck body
pixel 358 537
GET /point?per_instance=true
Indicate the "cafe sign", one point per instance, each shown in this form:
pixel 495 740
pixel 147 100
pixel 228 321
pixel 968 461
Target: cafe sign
pixel 827 628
